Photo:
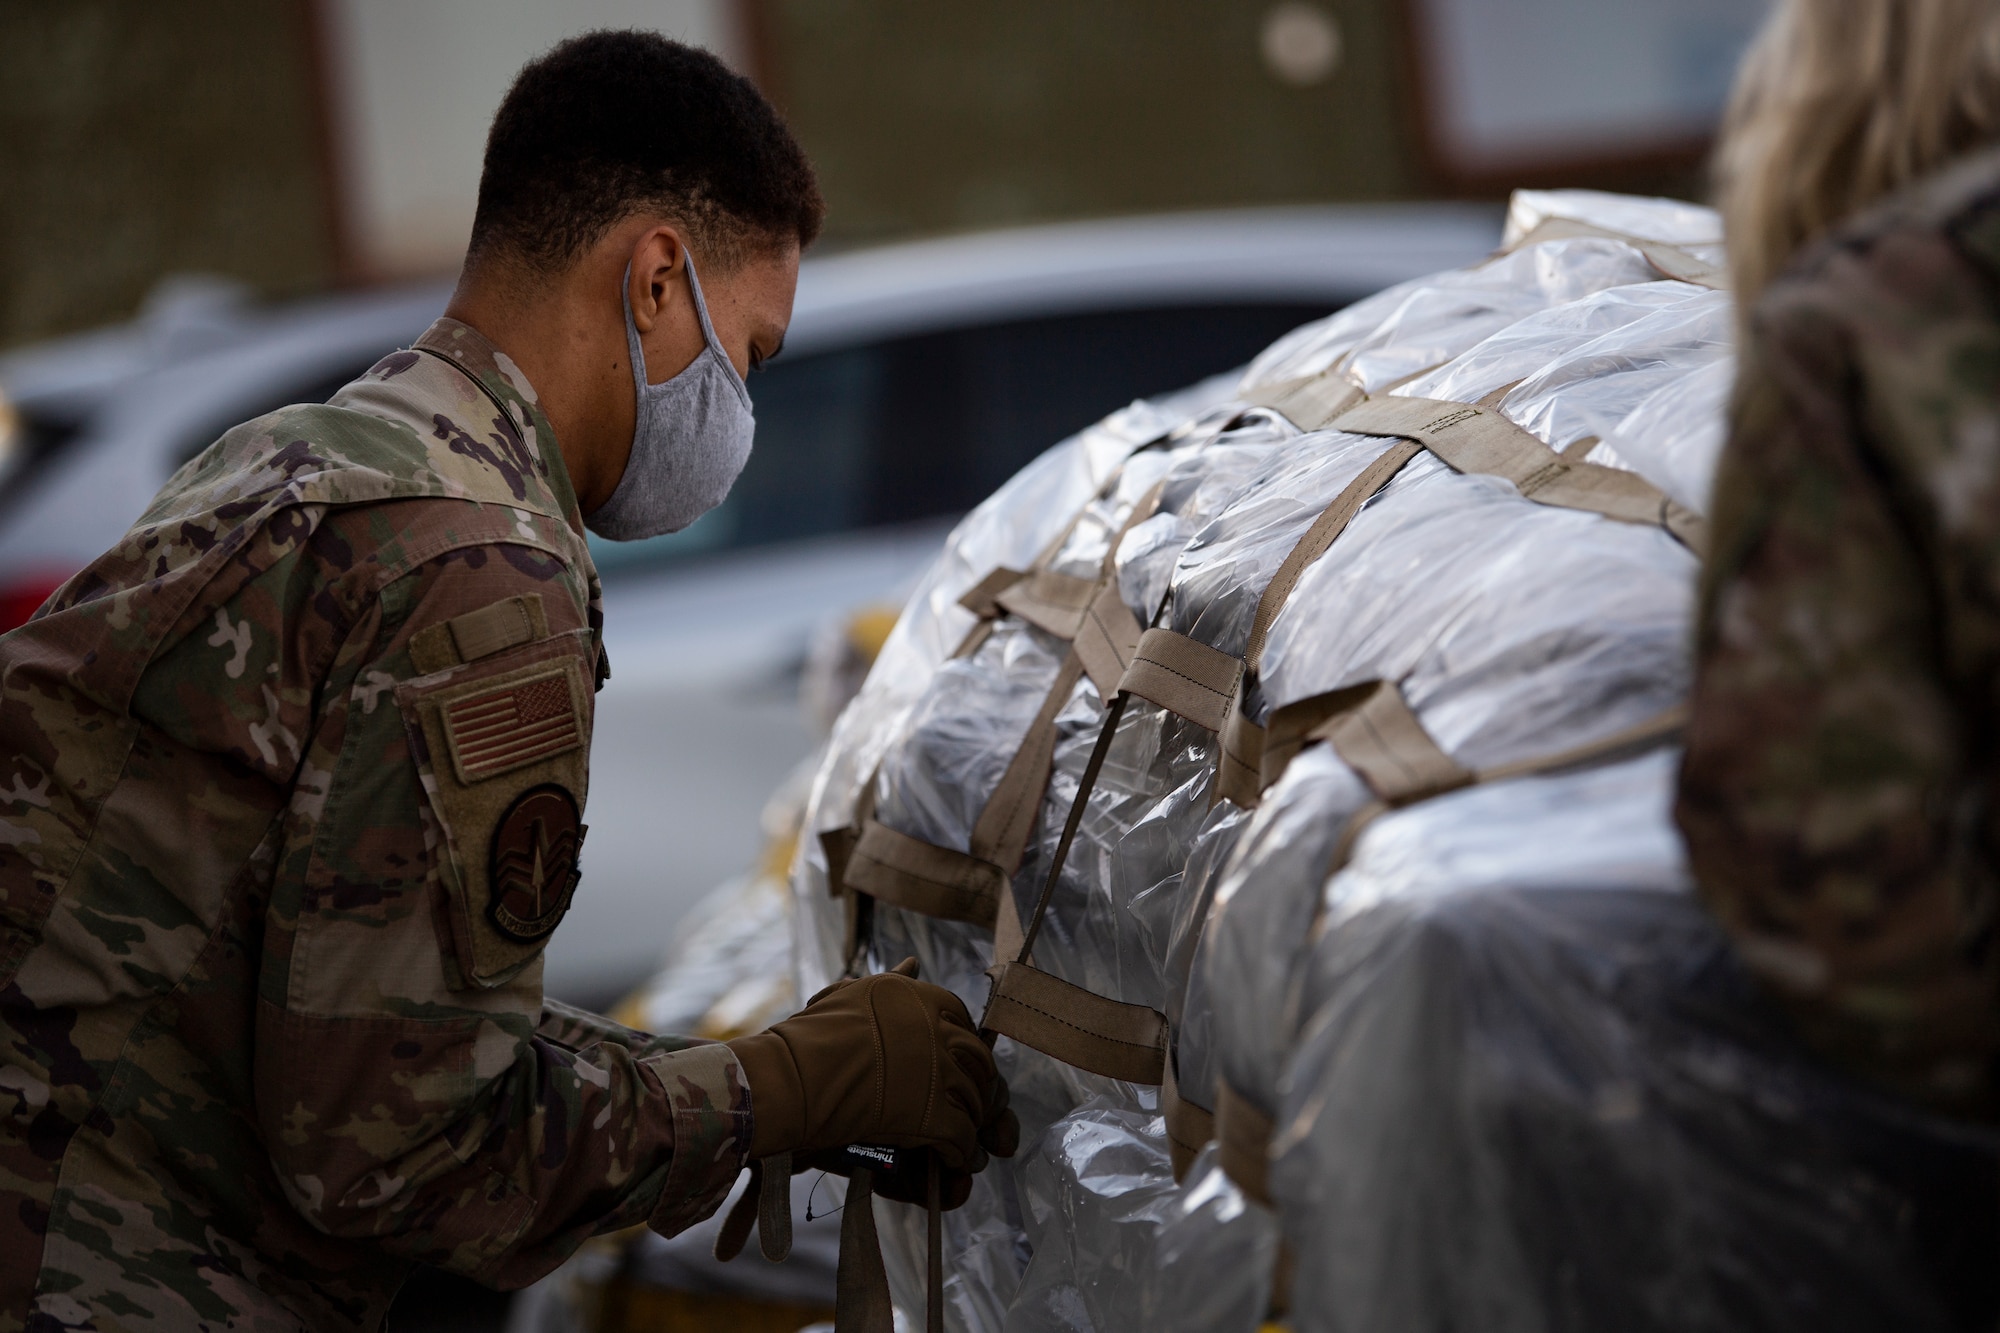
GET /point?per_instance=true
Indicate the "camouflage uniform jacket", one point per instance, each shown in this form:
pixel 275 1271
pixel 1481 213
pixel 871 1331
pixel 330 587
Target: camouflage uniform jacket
pixel 290 785
pixel 1839 786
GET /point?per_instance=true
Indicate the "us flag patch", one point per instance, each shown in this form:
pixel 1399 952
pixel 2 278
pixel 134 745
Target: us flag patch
pixel 501 729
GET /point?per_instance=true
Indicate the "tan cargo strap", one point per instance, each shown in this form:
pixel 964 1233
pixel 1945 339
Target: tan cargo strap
pixel 1188 1126
pixel 1290 728
pixel 1243 1142
pixel 861 1301
pixel 1332 521
pixel 969 886
pixel 1049 601
pixel 973 885
pixel 914 875
pixel 1044 598
pixel 1239 764
pixel 1468 438
pixel 1662 726
pixel 1670 260
pixel 934 1250
pixel 1243 1132
pixel 1079 1027
pixel 1059 1019
pixel 1478 440
pixel 766 1202
pixel 982 598
pixel 1239 776
pixel 861 1281
pixel 1060 604
pixel 1384 741
pixel 1184 676
pixel 1310 401
pixel 1000 835
pixel 1653 731
pixel 838 844
pixel 1107 640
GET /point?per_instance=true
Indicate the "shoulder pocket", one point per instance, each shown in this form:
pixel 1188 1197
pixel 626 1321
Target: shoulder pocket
pixel 503 748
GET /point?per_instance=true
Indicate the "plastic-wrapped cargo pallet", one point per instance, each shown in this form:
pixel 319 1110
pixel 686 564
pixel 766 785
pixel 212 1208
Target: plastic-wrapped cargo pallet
pixel 1367 664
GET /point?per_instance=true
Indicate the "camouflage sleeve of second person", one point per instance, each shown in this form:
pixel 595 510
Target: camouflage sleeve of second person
pixel 1836 792
pixel 413 1088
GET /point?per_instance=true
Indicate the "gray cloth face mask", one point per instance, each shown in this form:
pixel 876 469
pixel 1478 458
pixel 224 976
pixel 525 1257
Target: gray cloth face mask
pixel 690 438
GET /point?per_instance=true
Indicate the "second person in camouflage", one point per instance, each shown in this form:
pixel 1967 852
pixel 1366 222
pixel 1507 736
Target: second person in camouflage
pixel 1839 787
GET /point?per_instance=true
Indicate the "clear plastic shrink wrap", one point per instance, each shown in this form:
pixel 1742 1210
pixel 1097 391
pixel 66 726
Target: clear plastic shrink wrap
pixel 1399 1169
pixel 1530 1091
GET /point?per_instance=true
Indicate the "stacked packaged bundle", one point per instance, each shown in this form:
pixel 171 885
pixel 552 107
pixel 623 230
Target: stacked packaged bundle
pixel 1282 769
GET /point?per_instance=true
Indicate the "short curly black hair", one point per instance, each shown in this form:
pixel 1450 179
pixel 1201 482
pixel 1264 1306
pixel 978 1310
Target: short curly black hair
pixel 613 123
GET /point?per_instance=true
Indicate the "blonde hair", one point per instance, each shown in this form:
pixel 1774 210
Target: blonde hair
pixel 1841 102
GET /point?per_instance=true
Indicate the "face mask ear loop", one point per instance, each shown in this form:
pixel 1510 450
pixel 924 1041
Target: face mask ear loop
pixel 632 337
pixel 708 329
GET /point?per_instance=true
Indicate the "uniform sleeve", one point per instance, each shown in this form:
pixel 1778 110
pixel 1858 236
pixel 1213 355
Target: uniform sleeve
pixel 1831 794
pixel 414 1089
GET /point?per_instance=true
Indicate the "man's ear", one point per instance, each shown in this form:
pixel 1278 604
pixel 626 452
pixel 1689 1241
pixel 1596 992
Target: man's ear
pixel 653 284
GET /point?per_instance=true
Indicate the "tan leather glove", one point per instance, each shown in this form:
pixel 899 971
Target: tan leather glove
pixel 886 1060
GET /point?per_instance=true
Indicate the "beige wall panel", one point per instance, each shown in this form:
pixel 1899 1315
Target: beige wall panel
pixel 139 139
pixel 415 85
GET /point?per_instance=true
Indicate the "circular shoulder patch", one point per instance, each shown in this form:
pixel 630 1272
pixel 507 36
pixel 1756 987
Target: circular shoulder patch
pixel 533 866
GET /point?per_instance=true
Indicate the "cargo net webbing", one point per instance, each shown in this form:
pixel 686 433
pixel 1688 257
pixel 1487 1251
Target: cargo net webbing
pixel 1202 684
pixel 1219 684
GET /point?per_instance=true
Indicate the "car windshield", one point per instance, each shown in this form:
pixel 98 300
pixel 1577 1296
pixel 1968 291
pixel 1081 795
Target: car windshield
pixel 925 426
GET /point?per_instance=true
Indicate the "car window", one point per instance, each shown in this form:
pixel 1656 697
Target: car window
pixel 37 441
pixel 927 426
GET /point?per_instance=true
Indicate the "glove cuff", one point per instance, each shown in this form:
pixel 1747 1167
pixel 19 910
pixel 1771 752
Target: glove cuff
pixel 777 1096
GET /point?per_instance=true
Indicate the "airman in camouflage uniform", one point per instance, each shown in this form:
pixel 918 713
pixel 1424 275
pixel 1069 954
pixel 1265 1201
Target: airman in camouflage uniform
pixel 1839 787
pixel 238 1074
pixel 292 785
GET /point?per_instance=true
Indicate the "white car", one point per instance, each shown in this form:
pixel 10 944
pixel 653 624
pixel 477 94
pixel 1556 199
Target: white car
pixel 915 379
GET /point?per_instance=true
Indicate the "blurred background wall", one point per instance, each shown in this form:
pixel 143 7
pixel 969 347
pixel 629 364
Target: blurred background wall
pixel 140 138
pixel 297 144
pixel 926 117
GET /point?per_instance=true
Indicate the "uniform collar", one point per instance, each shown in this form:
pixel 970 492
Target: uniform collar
pixel 471 352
